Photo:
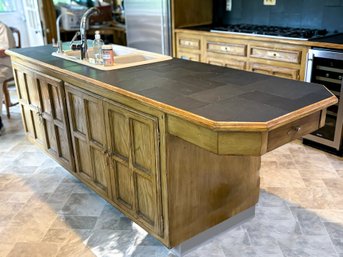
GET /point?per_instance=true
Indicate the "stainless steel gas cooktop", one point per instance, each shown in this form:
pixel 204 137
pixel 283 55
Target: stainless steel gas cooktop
pixel 272 31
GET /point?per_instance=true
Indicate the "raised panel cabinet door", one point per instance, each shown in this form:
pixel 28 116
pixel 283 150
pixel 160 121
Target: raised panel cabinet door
pixel 133 141
pixel 88 136
pixel 29 100
pixel 52 107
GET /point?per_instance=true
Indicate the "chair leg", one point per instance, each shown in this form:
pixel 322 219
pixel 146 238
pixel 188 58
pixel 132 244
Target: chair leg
pixel 7 98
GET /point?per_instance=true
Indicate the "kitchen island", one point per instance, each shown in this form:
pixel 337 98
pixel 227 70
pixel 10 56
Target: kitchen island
pixel 174 145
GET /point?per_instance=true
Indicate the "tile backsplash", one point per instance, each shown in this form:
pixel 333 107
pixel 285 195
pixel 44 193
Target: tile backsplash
pixel 326 14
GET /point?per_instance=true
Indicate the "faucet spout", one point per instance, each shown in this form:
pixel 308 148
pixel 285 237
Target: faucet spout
pixel 59 41
pixel 83 28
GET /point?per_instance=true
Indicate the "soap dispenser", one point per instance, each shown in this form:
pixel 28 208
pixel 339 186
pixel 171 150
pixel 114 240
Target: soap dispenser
pixel 97 45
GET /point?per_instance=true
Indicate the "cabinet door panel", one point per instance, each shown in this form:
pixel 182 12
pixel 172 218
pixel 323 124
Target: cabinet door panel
pixel 28 121
pixel 32 90
pixel 145 195
pixel 119 128
pixel 135 178
pixel 51 138
pixel 88 135
pixel 57 106
pixel 20 78
pixel 95 131
pixel 142 145
pixel 84 159
pixel 100 164
pixel 124 185
pixel 78 115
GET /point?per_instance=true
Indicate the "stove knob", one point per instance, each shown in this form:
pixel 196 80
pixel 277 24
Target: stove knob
pixel 340 77
pixel 327 75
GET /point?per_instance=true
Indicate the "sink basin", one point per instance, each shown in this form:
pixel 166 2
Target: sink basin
pixel 124 57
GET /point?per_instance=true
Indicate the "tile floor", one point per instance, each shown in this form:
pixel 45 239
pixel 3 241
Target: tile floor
pixel 46 212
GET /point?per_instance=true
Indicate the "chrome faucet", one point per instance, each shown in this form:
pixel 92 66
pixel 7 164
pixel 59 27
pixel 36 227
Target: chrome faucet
pixel 83 28
pixel 59 41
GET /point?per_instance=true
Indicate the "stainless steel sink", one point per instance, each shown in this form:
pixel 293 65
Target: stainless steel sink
pixel 124 57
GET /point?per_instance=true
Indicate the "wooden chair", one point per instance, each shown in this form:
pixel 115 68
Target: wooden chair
pixel 8 102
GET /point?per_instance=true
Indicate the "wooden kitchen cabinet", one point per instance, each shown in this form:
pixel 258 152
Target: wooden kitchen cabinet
pixel 41 99
pixel 245 53
pixel 116 151
pixel 189 47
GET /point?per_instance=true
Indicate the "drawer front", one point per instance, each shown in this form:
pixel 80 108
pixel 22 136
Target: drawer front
pixel 293 130
pixel 191 43
pixel 225 48
pixel 290 56
pixel 188 56
pixel 216 59
pixel 275 71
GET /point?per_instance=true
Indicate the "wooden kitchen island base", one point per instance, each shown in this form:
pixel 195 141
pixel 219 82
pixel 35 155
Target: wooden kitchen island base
pixel 213 232
pixel 176 146
pixel 205 189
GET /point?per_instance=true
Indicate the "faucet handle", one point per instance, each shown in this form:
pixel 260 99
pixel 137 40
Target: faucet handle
pixel 74 37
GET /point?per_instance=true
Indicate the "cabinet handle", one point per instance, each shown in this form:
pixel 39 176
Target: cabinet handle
pixel 294 130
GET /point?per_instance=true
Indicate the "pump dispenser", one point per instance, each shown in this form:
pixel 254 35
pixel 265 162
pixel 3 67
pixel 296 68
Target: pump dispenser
pixel 97 44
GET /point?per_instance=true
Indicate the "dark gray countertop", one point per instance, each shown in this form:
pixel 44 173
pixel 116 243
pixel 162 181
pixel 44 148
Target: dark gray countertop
pixel 215 93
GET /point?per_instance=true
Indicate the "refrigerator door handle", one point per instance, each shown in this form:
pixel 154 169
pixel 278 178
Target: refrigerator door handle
pixel 165 26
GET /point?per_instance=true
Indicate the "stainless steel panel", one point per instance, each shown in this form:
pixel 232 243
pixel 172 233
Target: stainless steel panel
pixel 148 25
pixel 338 129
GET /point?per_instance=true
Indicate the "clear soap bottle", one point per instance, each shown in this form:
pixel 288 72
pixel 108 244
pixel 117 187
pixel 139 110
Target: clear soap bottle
pixel 97 45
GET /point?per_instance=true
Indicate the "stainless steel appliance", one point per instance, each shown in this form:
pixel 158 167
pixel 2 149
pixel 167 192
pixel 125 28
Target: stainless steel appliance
pixel 325 67
pixel 272 31
pixel 148 25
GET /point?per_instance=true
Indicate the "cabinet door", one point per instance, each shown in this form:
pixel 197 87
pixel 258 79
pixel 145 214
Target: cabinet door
pixel 133 138
pixel 88 135
pixel 43 112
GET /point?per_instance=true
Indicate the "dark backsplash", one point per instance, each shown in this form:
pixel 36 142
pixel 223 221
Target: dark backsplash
pixel 321 14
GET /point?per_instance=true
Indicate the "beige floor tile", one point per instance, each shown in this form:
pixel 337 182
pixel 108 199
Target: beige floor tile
pixel 74 250
pixel 321 173
pixel 281 178
pixel 5 249
pixel 20 197
pixel 58 236
pixel 9 234
pixel 33 250
pixel 312 198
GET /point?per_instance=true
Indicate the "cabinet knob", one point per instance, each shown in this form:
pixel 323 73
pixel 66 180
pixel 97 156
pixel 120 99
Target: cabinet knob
pixel 294 130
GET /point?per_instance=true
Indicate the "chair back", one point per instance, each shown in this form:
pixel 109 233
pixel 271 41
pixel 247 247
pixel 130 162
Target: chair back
pixel 16 32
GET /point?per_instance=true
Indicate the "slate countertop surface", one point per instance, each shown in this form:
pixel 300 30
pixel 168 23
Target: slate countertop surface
pixel 215 93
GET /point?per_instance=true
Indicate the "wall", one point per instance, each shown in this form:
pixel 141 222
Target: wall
pixel 326 14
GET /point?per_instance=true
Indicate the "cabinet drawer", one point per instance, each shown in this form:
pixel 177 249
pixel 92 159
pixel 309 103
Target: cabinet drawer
pixel 275 71
pixel 191 43
pixel 226 48
pixel 240 65
pixel 291 56
pixel 188 56
pixel 293 130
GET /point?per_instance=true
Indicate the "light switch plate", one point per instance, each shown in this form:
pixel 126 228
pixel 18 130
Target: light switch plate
pixel 269 2
pixel 228 5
